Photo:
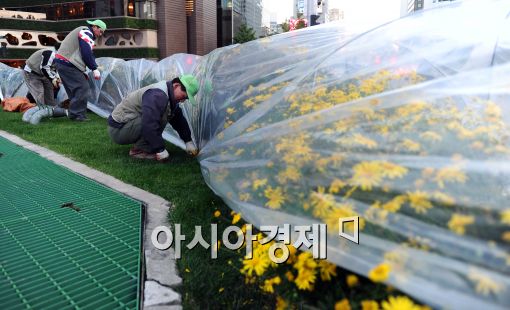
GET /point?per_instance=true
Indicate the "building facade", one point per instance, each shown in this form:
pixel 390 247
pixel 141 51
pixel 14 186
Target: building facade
pixel 150 29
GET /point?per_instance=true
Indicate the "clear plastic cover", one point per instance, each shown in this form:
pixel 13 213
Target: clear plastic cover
pixel 404 125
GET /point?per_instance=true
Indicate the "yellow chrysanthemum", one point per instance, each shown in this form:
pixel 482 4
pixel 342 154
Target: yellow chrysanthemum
pixel 366 175
pixel 291 173
pixel 449 174
pixel 321 202
pixel 431 136
pixel 259 183
pixel 217 213
pixel 418 200
pixel 281 304
pixel 505 236
pixel 395 204
pixel 505 216
pixel 244 196
pixel 236 218
pixel 369 305
pixel 336 186
pixel 343 305
pixel 484 285
pixel 327 270
pixel 391 170
pixel 364 141
pixel 268 284
pixel 352 280
pixel 275 196
pixel 411 145
pixel 380 273
pixel 257 264
pixel 342 210
pixel 458 223
pixel 305 279
pixel 444 198
pixel 399 303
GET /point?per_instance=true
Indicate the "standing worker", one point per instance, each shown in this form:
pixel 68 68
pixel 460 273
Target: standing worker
pixel 142 116
pixel 73 57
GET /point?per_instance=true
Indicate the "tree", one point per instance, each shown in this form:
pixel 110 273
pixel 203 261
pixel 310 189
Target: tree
pixel 244 34
pixel 285 26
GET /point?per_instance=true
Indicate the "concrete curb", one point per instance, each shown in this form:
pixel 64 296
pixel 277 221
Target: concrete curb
pixel 161 276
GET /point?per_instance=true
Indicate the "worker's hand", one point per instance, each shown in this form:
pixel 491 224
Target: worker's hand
pixel 162 156
pixel 191 148
pixel 56 82
pixel 97 74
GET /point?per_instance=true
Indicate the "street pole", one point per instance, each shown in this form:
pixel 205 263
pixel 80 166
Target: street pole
pixel 232 26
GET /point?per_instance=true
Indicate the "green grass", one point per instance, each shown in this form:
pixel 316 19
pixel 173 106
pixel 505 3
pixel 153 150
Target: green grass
pixel 207 283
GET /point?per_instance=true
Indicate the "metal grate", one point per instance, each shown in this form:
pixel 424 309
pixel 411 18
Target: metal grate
pixel 85 255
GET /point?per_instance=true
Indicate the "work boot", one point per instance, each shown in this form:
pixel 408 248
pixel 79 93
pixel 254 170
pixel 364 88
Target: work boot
pixel 59 112
pixel 141 154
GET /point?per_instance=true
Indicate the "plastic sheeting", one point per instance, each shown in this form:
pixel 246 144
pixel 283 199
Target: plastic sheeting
pixel 405 125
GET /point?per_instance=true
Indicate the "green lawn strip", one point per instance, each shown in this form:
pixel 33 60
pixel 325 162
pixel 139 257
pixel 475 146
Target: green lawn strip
pixel 207 283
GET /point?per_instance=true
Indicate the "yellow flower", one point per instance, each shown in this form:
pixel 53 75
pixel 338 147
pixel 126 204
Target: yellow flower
pixel 506 236
pixel 369 305
pixel 327 270
pixel 505 216
pixel 418 200
pixel 449 174
pixel 352 280
pixel 395 204
pixel 321 202
pixel 410 145
pixel 366 175
pixel 289 276
pixel 391 170
pixel 275 196
pixel 343 305
pixel 281 304
pixel 380 273
pixel 444 198
pixel 258 264
pixel 432 136
pixel 492 110
pixel 244 196
pixel 362 140
pixel 290 173
pixel 236 218
pixel 399 303
pixel 484 284
pixel 239 152
pixel 305 279
pixel 411 108
pixel 217 213
pixel 221 289
pixel 458 222
pixel 258 183
pixel 231 110
pixel 341 210
pixel 336 186
pixel 268 284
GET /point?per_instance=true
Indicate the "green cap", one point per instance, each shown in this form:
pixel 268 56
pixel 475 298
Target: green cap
pixel 98 23
pixel 191 85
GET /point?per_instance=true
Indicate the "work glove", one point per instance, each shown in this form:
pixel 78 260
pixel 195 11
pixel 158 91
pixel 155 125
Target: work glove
pixel 162 156
pixel 97 74
pixel 56 82
pixel 191 148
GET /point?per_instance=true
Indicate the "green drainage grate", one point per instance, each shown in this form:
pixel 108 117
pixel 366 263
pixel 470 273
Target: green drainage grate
pixel 66 242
